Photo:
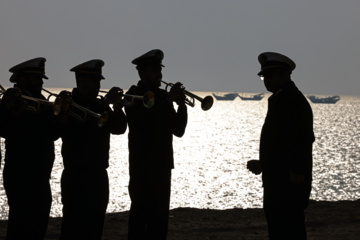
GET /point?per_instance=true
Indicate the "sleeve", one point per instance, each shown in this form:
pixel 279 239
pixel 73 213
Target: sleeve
pixel 135 113
pixel 293 143
pixel 180 121
pixel 176 120
pixel 116 122
pixel 54 126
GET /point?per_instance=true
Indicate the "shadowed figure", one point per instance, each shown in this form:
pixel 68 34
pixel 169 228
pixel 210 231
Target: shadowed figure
pixel 85 152
pixel 151 133
pixel 29 157
pixel 285 150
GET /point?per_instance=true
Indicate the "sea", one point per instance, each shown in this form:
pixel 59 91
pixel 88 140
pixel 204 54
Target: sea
pixel 210 159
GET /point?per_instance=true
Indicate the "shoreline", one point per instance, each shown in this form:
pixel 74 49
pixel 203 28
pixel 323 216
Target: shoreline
pixel 324 221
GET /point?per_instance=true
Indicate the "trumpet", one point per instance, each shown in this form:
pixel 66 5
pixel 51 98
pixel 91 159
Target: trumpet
pixel 36 103
pixel 57 103
pixel 148 99
pixel 32 104
pixel 2 91
pixel 206 103
pixel 77 111
pixel 101 118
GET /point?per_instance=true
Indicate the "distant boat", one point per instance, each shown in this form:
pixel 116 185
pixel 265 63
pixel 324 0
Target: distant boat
pixel 331 99
pixel 256 97
pixel 226 97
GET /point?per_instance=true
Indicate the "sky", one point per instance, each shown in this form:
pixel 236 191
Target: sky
pixel 209 45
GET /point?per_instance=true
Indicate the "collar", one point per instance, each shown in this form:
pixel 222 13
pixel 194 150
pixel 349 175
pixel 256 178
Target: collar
pixel 143 85
pixel 283 88
pixel 27 93
pixel 77 97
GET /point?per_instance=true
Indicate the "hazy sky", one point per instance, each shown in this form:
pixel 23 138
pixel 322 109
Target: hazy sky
pixel 209 45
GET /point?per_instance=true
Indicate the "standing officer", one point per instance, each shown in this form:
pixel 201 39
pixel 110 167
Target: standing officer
pixel 85 151
pixel 285 150
pixel 29 157
pixel 151 159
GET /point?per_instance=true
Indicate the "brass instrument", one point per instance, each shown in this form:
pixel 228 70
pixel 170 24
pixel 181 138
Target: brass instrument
pixel 77 111
pixel 2 91
pixel 101 118
pixel 50 94
pixel 36 103
pixel 57 103
pixel 32 104
pixel 148 99
pixel 206 103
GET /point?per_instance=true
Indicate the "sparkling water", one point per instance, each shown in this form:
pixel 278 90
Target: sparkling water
pixel 210 159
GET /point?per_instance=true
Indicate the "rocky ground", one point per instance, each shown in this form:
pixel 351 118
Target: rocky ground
pixel 324 220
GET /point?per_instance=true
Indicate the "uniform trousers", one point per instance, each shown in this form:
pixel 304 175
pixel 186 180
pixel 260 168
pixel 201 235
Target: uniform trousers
pixel 150 201
pixel 284 207
pixel 29 199
pixel 85 196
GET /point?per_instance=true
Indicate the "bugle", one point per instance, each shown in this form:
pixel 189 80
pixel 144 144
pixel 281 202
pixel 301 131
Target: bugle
pixel 2 91
pixel 32 104
pixel 206 102
pixel 36 103
pixel 57 103
pixel 101 118
pixel 77 111
pixel 148 99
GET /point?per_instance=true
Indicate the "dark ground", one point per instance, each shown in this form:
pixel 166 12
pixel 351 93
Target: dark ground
pixel 324 220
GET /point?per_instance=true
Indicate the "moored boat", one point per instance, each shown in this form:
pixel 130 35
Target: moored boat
pixel 226 97
pixel 331 99
pixel 256 97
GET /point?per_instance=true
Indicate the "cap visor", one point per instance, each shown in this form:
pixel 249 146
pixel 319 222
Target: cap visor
pixel 267 70
pixel 262 72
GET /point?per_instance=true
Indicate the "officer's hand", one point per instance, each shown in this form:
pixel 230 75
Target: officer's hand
pixel 177 94
pixel 66 95
pixel 11 98
pixel 114 95
pixel 181 99
pixel 62 102
pixel 254 166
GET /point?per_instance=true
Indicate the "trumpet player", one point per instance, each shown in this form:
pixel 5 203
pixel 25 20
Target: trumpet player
pixel 29 156
pixel 85 152
pixel 151 160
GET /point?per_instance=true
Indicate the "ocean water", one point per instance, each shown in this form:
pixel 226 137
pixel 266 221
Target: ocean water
pixel 210 159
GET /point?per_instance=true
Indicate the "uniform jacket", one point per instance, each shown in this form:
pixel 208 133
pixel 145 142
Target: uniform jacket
pixel 287 136
pixel 85 145
pixel 151 130
pixel 29 139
